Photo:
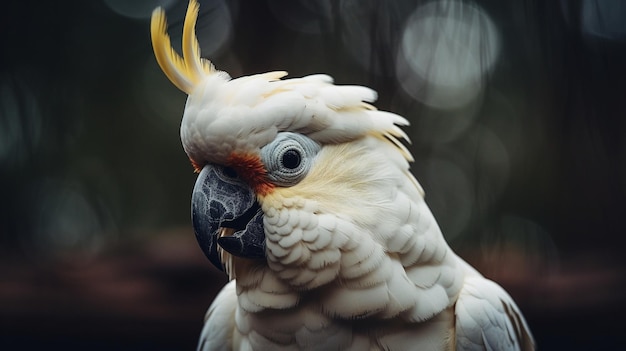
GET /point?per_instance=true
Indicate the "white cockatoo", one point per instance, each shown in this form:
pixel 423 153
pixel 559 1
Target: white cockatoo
pixel 305 199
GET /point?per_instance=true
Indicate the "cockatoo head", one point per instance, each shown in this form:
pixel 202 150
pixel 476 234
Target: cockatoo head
pixel 255 139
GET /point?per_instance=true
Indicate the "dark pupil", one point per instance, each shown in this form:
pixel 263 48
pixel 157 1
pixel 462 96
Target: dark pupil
pixel 291 159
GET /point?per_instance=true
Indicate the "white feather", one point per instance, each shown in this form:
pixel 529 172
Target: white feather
pixel 365 258
pixel 255 108
pixel 220 321
pixel 488 319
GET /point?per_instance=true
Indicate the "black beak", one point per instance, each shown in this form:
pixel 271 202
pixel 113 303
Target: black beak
pixel 221 200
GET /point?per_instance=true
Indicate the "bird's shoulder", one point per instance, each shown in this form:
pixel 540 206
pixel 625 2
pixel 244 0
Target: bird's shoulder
pixel 487 318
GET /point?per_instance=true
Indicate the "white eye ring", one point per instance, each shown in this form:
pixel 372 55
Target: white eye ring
pixel 288 158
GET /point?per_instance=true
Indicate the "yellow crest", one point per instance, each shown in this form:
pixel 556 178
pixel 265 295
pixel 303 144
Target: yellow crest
pixel 186 71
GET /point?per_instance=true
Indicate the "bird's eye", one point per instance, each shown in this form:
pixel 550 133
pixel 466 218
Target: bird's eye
pixel 288 158
pixel 291 159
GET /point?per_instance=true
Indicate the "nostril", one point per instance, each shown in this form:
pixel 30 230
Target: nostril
pixel 230 172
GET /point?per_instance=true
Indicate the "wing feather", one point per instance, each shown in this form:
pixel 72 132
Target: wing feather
pixel 219 322
pixel 488 319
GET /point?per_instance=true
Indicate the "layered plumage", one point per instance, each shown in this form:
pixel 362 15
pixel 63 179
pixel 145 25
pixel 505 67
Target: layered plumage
pixel 305 199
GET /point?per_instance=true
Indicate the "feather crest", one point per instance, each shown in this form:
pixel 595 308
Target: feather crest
pixel 257 107
pixel 187 71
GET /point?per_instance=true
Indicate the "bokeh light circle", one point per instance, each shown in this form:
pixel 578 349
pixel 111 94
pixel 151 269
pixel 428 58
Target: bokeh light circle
pixel 447 48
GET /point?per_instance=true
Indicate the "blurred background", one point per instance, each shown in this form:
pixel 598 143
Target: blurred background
pixel 517 119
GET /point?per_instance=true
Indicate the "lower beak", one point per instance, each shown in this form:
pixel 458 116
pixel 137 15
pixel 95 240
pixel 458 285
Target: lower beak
pixel 224 212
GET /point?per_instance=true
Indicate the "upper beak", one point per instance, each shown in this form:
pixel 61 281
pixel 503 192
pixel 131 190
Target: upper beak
pixel 220 202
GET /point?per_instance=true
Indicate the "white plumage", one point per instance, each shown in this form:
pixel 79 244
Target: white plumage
pixel 354 259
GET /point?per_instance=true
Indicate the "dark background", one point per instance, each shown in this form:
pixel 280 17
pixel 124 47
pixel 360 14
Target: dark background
pixel 517 111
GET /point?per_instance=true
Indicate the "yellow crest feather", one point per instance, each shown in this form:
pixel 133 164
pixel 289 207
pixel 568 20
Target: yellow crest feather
pixel 187 71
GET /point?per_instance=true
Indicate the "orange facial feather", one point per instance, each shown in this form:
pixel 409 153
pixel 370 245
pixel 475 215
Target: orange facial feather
pixel 197 167
pixel 250 168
